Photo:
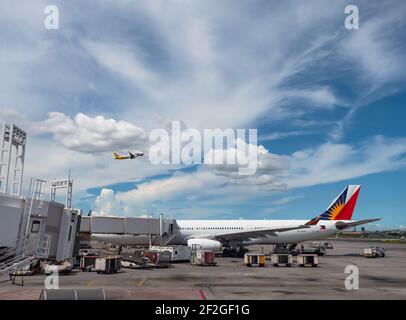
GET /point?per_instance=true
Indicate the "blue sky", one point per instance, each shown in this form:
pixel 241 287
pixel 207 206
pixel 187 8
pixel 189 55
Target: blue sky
pixel 328 103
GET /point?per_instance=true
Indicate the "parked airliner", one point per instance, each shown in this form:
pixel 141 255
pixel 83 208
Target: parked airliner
pixel 216 234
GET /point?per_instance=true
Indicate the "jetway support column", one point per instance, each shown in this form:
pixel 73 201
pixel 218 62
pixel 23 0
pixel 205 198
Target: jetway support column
pixel 161 225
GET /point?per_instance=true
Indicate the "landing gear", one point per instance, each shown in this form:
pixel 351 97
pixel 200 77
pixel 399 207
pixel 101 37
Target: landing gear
pixel 234 252
pixel 242 251
pixel 285 248
pixel 281 248
pixel 229 252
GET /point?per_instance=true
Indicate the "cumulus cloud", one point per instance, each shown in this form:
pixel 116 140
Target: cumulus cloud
pixel 260 164
pixel 97 134
pixel 106 204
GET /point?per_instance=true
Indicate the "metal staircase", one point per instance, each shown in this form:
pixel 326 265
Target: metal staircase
pixel 166 239
pixel 33 205
pixel 171 234
pixel 12 257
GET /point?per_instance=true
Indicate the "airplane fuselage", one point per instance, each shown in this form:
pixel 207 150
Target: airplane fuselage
pixel 208 229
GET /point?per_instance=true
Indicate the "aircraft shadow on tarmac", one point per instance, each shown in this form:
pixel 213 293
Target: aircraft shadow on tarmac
pixel 355 254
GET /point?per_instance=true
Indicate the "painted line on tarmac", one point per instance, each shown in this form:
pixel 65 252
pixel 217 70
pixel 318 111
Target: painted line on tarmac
pixel 91 283
pixel 141 283
pixel 202 295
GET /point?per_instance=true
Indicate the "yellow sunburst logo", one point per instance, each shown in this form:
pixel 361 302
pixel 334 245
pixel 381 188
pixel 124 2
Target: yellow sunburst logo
pixel 335 209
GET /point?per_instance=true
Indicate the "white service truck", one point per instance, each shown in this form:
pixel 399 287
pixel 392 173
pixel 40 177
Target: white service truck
pixel 178 253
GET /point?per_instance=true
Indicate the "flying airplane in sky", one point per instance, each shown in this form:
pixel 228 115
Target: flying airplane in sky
pixel 236 234
pixel 130 156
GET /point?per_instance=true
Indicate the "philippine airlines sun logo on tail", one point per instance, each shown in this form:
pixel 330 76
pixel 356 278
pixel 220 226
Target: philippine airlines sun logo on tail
pixel 342 207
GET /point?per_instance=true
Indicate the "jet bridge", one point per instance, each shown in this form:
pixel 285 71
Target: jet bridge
pixel 161 228
pixel 33 229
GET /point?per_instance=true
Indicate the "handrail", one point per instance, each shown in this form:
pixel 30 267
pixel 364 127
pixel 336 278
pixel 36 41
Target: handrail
pixel 165 242
pixel 11 245
pixel 14 241
pixel 32 249
pixel 14 264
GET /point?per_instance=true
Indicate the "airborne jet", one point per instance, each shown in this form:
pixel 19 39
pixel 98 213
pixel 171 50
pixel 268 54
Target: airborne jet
pixel 130 156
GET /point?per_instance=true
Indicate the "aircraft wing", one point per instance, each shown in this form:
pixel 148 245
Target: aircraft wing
pixel 254 233
pixel 344 225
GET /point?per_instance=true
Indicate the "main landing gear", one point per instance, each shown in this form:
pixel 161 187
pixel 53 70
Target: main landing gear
pixel 285 248
pixel 234 252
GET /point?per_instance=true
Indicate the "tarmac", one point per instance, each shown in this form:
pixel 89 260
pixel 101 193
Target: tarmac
pixel 379 278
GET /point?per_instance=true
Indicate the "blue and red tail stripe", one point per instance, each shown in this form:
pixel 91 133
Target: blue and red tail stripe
pixel 342 207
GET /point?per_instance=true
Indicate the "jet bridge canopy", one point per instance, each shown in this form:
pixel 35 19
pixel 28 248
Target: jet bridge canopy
pixel 127 225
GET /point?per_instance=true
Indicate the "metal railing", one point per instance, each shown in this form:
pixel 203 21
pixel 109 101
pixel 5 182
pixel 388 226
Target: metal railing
pixel 165 240
pixel 13 257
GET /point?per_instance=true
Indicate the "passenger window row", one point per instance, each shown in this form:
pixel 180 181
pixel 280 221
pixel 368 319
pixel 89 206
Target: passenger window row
pixel 214 228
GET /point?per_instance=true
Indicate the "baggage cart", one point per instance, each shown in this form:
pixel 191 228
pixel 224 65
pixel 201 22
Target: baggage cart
pixel 308 260
pixel 203 258
pixel 254 259
pixel 282 260
pixel 108 265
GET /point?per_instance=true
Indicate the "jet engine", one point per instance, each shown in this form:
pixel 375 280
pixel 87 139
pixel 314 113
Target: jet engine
pixel 205 244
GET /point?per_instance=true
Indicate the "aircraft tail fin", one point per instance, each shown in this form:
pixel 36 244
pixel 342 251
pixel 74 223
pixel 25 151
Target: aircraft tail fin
pixel 342 207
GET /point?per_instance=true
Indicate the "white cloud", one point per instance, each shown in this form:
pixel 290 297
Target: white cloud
pixel 220 186
pixel 170 188
pixel 12 116
pixel 123 61
pixel 331 162
pixel 192 194
pixel 205 69
pixel 264 164
pixel 9 115
pixel 87 134
pixel 182 59
pixel 286 200
pixel 106 204
pixel 282 135
pixel 373 49
pixel 316 97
